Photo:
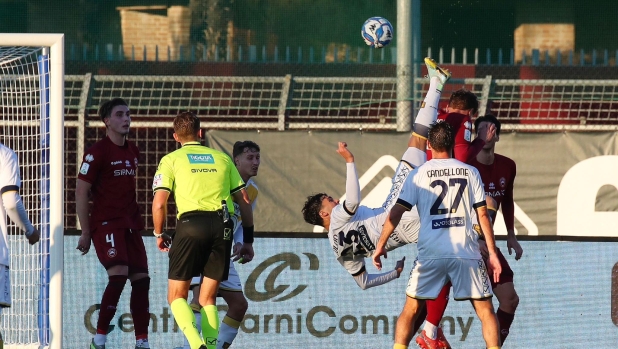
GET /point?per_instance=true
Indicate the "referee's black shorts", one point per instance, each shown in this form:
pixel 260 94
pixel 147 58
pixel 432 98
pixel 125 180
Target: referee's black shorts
pixel 201 246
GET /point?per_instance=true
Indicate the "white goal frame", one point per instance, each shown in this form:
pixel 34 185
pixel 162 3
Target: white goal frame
pixel 56 167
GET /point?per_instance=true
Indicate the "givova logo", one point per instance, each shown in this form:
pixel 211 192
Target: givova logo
pixel 201 159
pixel 270 269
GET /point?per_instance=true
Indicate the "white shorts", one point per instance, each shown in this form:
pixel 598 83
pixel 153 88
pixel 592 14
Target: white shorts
pixel 469 278
pixel 231 284
pixel 5 286
pixel 233 281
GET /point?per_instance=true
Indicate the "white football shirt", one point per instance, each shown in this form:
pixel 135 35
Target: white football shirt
pixel 9 181
pixel 446 193
pixel 355 236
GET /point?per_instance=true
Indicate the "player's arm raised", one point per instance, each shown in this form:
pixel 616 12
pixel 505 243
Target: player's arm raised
pixel 352 187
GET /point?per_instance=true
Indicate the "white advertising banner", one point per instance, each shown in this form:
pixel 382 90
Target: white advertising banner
pixel 300 297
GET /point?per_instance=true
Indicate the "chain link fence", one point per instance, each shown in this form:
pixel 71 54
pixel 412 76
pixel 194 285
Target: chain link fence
pixel 305 103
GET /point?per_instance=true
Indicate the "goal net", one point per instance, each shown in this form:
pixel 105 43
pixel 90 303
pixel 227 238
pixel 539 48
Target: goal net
pixel 31 124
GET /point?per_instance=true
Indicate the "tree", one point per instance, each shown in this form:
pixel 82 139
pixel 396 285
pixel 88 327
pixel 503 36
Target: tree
pixel 209 25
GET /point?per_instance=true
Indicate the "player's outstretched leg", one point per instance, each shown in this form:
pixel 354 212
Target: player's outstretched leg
pixel 434 71
pixel 427 114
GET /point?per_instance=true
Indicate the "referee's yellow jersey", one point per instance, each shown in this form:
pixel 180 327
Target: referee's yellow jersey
pixel 200 178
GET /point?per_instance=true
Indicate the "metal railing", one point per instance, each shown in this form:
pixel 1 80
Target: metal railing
pixel 307 103
pixel 341 54
pixel 342 103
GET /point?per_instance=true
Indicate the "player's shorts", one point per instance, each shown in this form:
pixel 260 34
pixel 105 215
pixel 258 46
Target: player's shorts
pixel 233 281
pixel 231 284
pixel 469 278
pixel 201 246
pixel 121 247
pixel 5 287
pixel 507 274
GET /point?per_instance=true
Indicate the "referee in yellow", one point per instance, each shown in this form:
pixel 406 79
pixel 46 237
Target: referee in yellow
pixel 203 181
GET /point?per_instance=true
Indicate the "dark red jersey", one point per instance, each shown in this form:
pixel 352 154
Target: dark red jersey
pixel 498 179
pixel 111 169
pixel 465 149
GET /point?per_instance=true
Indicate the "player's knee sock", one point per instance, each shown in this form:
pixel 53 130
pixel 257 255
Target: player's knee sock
pixel 436 307
pixel 198 322
pixel 505 320
pixel 400 346
pixel 422 314
pixel 210 325
pixel 227 332
pixel 139 307
pixel 428 113
pixel 109 302
pixel 431 330
pixel 186 322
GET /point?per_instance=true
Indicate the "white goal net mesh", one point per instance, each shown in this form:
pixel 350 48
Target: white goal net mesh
pixel 24 127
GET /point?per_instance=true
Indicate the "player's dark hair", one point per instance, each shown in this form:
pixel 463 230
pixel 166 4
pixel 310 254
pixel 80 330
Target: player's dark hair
pixel 312 207
pixel 441 137
pixel 105 110
pixel 463 99
pixel 242 146
pixel 186 125
pixel 487 118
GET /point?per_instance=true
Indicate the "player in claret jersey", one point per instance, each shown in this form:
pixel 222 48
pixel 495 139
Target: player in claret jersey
pixel 498 175
pixel 108 173
pixel 462 106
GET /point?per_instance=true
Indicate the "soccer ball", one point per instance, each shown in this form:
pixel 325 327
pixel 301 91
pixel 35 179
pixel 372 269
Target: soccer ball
pixel 377 32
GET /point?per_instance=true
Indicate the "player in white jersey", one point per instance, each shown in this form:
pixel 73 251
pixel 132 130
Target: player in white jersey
pixel 246 156
pixel 12 205
pixel 354 230
pixel 448 194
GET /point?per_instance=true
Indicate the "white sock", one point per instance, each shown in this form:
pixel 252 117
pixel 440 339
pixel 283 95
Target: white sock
pixel 227 332
pixel 414 157
pixel 100 339
pixel 431 330
pixel 198 322
pixel 428 113
pixel 142 343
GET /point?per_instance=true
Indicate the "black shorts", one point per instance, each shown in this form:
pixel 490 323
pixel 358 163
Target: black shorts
pixel 202 245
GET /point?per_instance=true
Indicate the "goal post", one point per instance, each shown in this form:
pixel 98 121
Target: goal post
pixel 32 123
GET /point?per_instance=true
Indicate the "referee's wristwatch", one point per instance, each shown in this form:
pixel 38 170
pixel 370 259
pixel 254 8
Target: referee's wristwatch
pixel 157 235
